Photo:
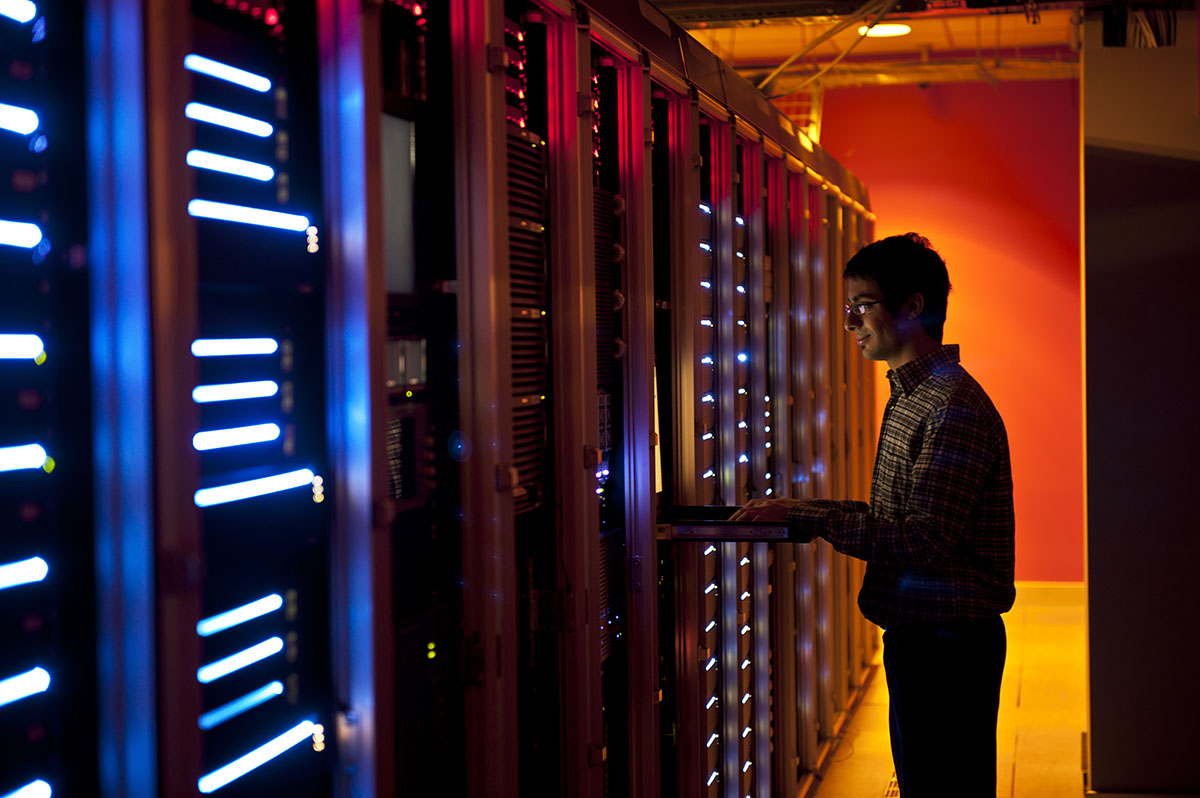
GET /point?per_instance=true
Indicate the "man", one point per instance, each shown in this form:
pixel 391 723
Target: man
pixel 938 534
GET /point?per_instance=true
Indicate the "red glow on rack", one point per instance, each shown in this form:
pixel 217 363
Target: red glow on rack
pixel 272 17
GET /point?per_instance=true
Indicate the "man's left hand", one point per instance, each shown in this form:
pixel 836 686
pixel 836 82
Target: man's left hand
pixel 770 511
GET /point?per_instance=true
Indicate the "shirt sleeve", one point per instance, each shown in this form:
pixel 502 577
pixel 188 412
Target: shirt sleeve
pixel 947 481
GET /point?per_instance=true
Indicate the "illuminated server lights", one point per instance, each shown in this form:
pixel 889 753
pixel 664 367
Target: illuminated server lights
pixel 257 400
pixel 34 789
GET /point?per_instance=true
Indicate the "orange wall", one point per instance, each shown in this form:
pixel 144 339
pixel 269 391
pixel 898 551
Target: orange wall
pixel 991 176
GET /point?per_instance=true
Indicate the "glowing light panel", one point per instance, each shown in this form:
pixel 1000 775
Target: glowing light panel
pixel 237 706
pixel 14 458
pixel 34 789
pixel 230 391
pixel 885 30
pixel 221 347
pixel 20 234
pixel 243 214
pixel 202 159
pixel 23 572
pixel 21 11
pixel 222 494
pixel 216 69
pixel 20 347
pixel 23 685
pixel 200 112
pixel 234 436
pixel 234 662
pixel 239 615
pixel 256 758
pixel 18 119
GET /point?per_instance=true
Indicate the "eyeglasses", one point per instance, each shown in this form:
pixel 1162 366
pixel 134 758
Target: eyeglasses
pixel 860 308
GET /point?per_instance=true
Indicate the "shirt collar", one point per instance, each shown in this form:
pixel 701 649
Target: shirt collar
pixel 906 378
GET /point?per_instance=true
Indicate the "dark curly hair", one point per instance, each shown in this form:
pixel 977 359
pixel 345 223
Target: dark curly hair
pixel 902 266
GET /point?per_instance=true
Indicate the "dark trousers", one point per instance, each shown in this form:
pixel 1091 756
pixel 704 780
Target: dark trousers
pixel 944 691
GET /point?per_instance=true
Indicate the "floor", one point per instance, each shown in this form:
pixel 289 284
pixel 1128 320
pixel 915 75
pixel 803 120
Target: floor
pixel 1042 708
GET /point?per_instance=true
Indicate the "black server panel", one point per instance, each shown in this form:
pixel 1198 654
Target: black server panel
pixel 47 660
pixel 259 359
pixel 424 449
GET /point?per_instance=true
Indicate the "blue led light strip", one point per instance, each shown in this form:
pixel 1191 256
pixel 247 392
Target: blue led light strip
pixel 34 789
pixel 23 572
pixel 237 491
pixel 23 685
pixel 20 347
pixel 15 458
pixel 234 436
pixel 239 615
pixel 199 112
pixel 18 119
pixel 232 74
pixel 230 391
pixel 202 159
pixel 256 758
pixel 237 706
pixel 222 347
pixel 235 662
pixel 20 234
pixel 243 214
pixel 21 11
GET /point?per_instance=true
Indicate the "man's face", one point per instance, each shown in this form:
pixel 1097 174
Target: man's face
pixel 876 331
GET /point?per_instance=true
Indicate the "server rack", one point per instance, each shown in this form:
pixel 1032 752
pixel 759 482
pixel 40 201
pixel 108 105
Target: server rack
pixel 47 693
pixel 578 138
pixel 238 281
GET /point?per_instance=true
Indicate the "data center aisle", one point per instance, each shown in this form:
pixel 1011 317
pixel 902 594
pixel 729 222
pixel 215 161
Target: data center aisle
pixel 1042 707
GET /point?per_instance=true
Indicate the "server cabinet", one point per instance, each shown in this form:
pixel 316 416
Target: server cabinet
pixel 47 663
pixel 237 306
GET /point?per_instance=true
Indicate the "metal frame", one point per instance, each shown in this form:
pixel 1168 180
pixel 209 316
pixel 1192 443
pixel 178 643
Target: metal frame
pixel 573 366
pixel 121 399
pixel 489 567
pixel 361 614
pixel 633 93
pixel 173 324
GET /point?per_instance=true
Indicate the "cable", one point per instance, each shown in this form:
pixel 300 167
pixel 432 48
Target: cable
pixel 868 8
pixel 882 13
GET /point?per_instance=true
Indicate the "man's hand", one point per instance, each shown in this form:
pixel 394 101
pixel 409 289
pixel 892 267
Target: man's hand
pixel 770 511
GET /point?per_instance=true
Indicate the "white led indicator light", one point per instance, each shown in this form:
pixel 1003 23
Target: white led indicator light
pixel 201 159
pixel 20 347
pixel 222 494
pixel 23 685
pixel 243 214
pixel 23 572
pixel 226 392
pixel 15 458
pixel 34 789
pixel 199 112
pixel 256 758
pixel 20 234
pixel 21 11
pixel 239 615
pixel 234 436
pixel 216 69
pixel 222 347
pixel 234 662
pixel 18 119
pixel 237 706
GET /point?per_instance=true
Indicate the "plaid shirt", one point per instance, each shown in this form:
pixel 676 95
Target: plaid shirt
pixel 938 536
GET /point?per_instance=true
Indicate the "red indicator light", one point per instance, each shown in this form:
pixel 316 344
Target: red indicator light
pixel 417 10
pixel 272 17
